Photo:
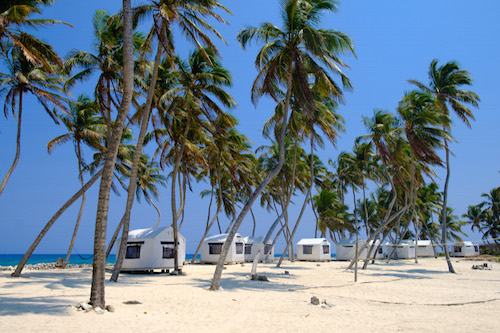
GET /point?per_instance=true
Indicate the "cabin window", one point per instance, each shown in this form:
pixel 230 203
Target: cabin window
pixel 348 246
pixel 326 249
pixel 457 249
pixel 476 248
pixel 133 252
pixel 268 248
pixel 248 248
pixel 379 250
pixel 214 248
pixel 168 252
pixel 307 249
pixel 239 248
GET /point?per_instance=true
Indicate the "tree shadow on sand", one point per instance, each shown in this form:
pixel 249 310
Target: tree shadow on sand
pixel 18 306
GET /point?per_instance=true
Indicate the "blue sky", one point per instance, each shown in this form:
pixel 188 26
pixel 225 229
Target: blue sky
pixel 394 41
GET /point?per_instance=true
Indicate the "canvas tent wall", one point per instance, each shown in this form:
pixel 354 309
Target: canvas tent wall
pixel 425 248
pixel 405 250
pixel 252 244
pixel 464 249
pixel 314 249
pixel 212 248
pixel 345 249
pixel 152 249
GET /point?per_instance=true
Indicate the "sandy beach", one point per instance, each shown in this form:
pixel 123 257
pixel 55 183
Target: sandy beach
pixel 398 296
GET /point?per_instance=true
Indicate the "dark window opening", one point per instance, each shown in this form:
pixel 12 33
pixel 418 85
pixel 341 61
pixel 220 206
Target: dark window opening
pixel 248 248
pixel 214 248
pixel 239 248
pixel 307 249
pixel 457 249
pixel 133 252
pixel 268 248
pixel 168 252
pixel 326 249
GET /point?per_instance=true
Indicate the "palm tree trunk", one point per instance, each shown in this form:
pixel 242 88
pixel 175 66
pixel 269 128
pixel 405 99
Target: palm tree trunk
pixel 97 293
pixel 135 167
pixel 366 211
pixel 53 219
pixel 18 145
pixel 175 213
pixel 254 224
pixel 80 212
pixel 220 264
pixel 356 253
pixel 443 213
pixel 311 184
pixel 156 208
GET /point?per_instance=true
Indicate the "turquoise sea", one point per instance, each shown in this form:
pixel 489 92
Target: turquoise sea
pixel 74 259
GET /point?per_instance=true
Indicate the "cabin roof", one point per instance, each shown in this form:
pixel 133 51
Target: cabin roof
pixel 146 233
pixel 312 241
pixel 255 239
pixel 220 238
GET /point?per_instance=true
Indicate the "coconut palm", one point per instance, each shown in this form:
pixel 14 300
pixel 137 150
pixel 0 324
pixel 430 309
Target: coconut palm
pixel 283 60
pixel 24 78
pixel 444 84
pixel 14 15
pixel 82 125
pixel 97 296
pixel 492 213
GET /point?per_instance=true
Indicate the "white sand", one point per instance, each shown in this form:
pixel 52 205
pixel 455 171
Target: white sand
pixel 399 296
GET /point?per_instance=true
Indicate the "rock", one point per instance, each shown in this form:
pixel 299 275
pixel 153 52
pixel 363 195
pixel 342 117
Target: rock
pixel 314 300
pixel 257 277
pixel 131 302
pixel 287 273
pixel 98 310
pixel 85 306
pixel 59 263
pixel 110 308
pixel 482 267
pixel 318 265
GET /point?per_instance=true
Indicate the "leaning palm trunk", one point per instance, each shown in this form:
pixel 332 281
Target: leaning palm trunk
pixel 443 213
pixel 177 213
pixel 18 146
pixel 97 293
pixel 54 218
pixel 311 184
pixel 80 212
pixel 135 167
pixel 356 249
pixel 209 226
pixel 220 264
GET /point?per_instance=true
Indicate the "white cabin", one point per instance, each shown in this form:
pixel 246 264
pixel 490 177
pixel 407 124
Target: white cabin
pixel 425 248
pixel 152 249
pixel 346 249
pixel 464 249
pixel 252 244
pixel 405 250
pixel 314 249
pixel 212 248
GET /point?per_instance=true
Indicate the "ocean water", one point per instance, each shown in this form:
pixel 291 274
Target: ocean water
pixel 74 259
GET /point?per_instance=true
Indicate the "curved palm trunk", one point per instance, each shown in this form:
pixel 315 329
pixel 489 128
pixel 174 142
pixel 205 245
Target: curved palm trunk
pixel 18 145
pixel 97 293
pixel 176 213
pixel 82 205
pixel 356 252
pixel 135 167
pixel 209 225
pixel 156 208
pixel 254 224
pixel 53 219
pixel 311 184
pixel 443 213
pixel 220 264
pixel 366 211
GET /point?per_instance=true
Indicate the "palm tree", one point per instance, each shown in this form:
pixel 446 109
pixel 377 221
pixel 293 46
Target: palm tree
pixel 492 214
pixel 15 15
pixel 283 60
pixel 25 78
pixel 97 297
pixel 82 126
pixel 444 84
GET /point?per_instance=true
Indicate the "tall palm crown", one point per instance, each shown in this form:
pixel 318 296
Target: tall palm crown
pixel 444 84
pixel 298 49
pixel 15 15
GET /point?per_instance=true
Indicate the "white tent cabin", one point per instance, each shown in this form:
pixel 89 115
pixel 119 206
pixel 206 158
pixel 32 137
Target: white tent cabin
pixel 425 248
pixel 152 249
pixel 464 249
pixel 212 248
pixel 252 247
pixel 314 249
pixel 405 250
pixel 346 249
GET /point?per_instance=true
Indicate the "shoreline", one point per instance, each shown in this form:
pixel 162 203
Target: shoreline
pixel 398 296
